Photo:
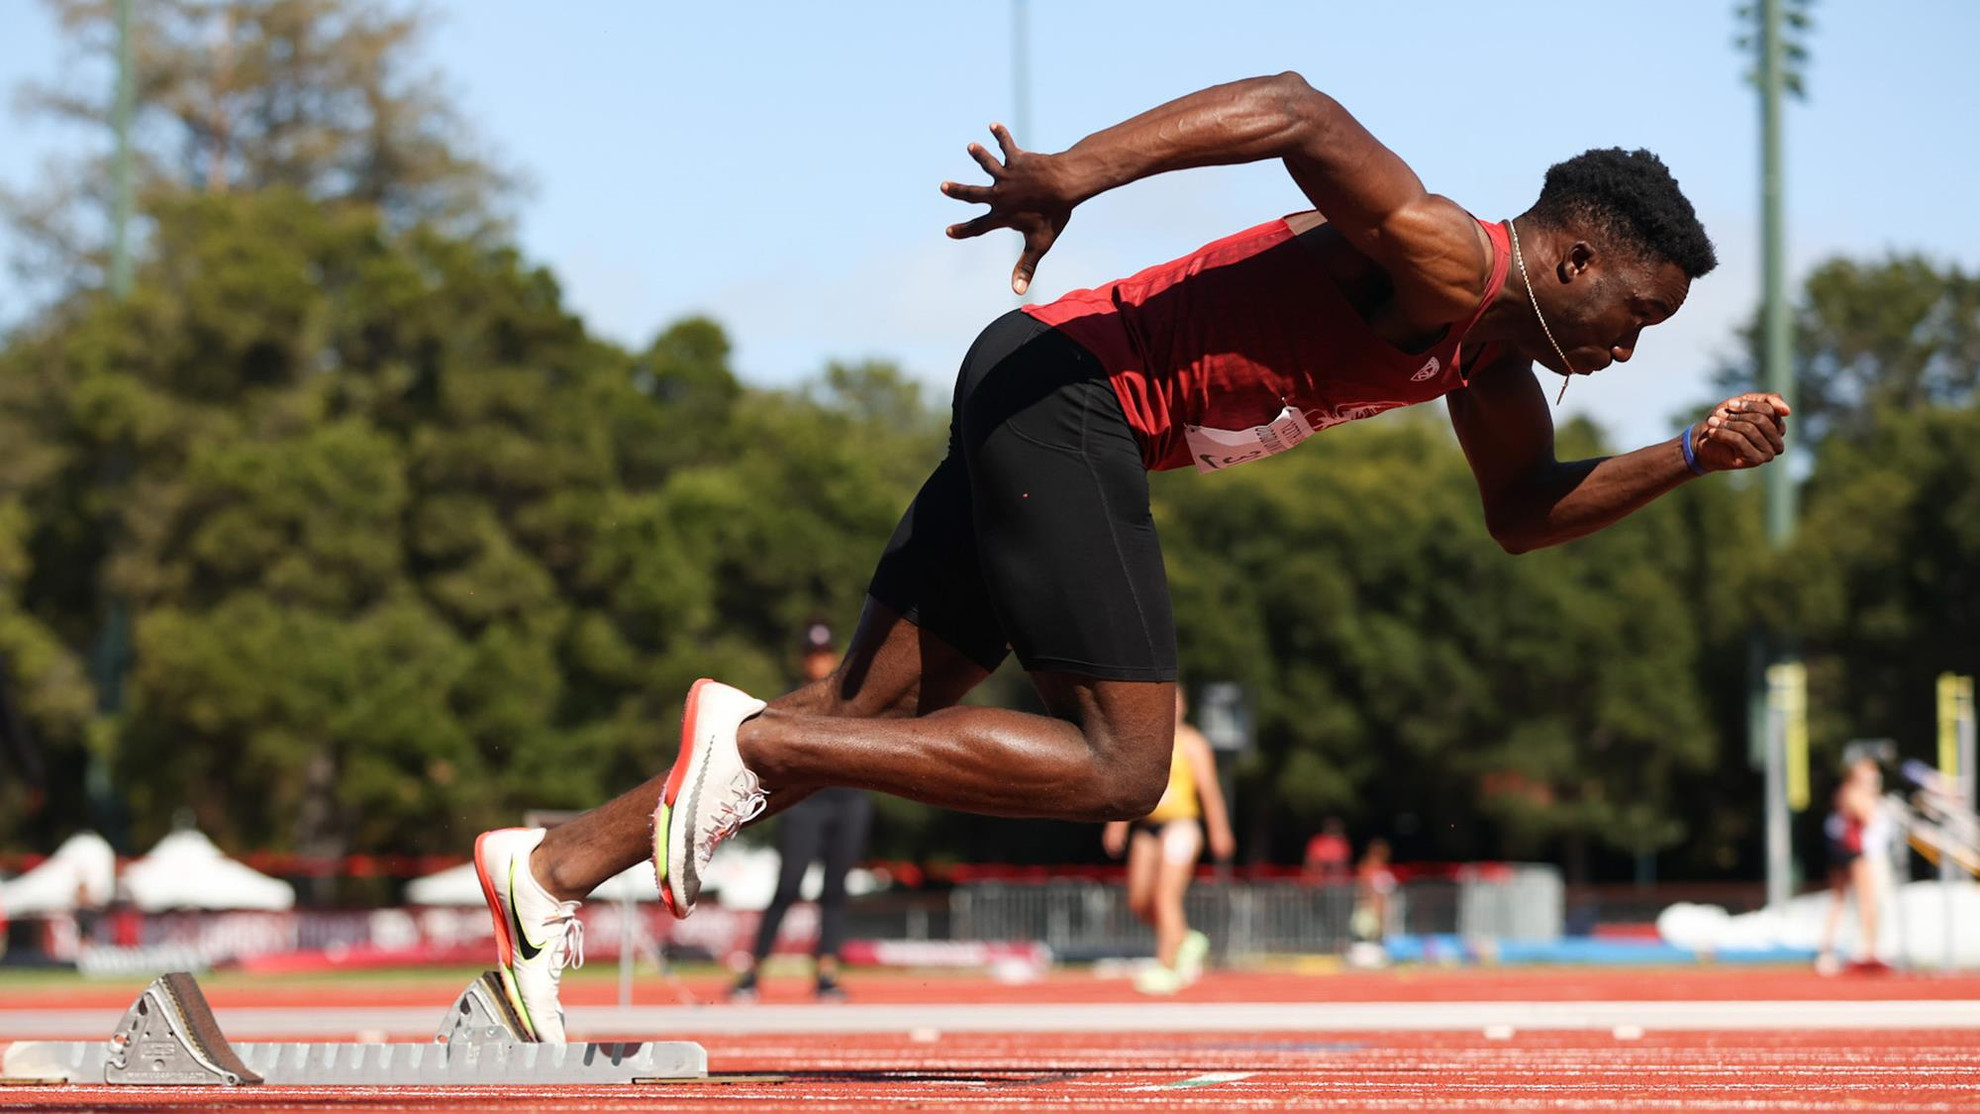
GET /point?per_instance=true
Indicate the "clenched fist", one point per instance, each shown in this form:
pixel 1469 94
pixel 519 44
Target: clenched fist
pixel 1741 432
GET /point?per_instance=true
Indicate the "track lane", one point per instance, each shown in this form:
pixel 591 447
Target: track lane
pixel 1835 1070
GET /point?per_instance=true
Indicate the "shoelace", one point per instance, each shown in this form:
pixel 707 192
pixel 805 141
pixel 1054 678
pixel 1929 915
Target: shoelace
pixel 570 945
pixel 748 805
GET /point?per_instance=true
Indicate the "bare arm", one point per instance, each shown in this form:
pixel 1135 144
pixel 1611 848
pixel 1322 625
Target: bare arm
pixel 1113 837
pixel 1533 500
pixel 1434 252
pixel 1210 791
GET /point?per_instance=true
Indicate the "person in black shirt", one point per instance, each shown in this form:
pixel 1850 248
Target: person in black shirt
pixel 828 826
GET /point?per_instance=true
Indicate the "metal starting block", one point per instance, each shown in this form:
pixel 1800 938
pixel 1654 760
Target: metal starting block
pixel 169 1037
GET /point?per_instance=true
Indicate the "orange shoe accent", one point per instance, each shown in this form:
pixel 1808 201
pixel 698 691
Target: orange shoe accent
pixel 671 792
pixel 505 947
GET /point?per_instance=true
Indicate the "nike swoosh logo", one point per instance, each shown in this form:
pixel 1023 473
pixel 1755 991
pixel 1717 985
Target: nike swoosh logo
pixel 529 951
pixel 691 877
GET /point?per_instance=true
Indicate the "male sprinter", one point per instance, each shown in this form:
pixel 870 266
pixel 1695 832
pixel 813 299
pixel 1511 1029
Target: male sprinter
pixel 1034 534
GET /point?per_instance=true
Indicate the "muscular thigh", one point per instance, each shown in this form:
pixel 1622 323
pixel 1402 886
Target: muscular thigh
pixel 931 572
pixel 1034 534
pixel 1129 725
pixel 1065 540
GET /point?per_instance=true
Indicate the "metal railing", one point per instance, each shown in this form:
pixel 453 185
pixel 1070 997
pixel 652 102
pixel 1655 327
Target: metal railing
pixel 1084 918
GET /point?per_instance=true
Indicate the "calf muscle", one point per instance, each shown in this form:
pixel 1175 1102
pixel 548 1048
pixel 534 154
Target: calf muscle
pixel 986 760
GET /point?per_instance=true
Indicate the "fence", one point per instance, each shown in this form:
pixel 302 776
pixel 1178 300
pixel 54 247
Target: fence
pixel 1085 918
pixel 1077 918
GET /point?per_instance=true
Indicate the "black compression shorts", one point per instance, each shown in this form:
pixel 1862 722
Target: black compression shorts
pixel 1034 533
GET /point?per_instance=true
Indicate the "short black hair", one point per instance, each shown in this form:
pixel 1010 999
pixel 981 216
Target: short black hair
pixel 1631 197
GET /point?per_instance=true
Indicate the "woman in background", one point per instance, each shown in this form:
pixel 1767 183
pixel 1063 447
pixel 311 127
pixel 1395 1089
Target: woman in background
pixel 1858 841
pixel 1162 849
pixel 1374 887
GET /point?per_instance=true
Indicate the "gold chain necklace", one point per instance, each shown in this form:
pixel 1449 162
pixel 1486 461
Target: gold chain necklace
pixel 1535 303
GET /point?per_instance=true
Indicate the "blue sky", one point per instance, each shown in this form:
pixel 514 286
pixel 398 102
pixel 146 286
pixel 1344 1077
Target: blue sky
pixel 775 165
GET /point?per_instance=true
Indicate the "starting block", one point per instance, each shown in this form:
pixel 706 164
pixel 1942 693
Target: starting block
pixel 169 1038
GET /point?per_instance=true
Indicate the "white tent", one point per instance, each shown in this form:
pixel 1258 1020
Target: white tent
pixel 82 870
pixel 635 883
pixel 457 885
pixel 741 877
pixel 185 871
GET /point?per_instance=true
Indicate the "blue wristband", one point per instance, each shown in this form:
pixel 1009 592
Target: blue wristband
pixel 1690 455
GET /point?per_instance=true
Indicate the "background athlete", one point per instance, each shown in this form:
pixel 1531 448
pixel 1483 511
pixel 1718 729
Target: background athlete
pixel 1162 848
pixel 1856 837
pixel 829 828
pixel 1034 534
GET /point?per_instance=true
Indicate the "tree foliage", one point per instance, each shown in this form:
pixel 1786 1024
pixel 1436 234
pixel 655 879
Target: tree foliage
pixel 1876 588
pixel 1884 577
pixel 1872 337
pixel 407 549
pixel 323 97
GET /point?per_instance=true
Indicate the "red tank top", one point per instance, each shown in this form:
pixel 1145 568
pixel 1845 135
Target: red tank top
pixel 1235 333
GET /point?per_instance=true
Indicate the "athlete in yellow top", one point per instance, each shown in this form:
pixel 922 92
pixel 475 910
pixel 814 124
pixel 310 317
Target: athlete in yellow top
pixel 1161 856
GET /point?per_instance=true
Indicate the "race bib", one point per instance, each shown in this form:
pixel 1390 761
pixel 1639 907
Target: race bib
pixel 1217 449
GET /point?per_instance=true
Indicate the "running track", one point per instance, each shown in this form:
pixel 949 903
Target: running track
pixel 1690 1039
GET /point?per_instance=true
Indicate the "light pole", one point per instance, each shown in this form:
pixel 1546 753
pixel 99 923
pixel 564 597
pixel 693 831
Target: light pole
pixel 1778 74
pixel 112 648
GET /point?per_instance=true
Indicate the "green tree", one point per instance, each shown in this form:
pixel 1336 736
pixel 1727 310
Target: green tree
pixel 44 679
pixel 302 398
pixel 1877 583
pixel 322 97
pixel 325 97
pixel 407 550
pixel 1884 578
pixel 1901 333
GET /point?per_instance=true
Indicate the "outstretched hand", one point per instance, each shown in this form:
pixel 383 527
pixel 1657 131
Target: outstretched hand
pixel 1027 192
pixel 1741 432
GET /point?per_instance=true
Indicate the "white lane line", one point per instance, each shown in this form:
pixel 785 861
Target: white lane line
pixel 1178 1017
pixel 1207 1079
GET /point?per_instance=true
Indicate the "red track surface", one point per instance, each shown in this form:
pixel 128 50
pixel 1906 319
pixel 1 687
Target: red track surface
pixel 1283 1071
pixel 1830 1070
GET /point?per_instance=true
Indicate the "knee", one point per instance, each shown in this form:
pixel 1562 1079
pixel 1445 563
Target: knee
pixel 1123 768
pixel 1132 785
